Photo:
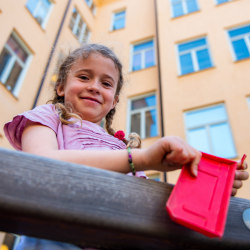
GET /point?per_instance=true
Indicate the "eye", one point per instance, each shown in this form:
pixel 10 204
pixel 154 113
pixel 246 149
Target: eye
pixel 84 77
pixel 107 84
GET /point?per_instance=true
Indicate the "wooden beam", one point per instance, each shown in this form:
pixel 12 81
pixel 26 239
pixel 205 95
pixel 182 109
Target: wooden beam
pixel 91 207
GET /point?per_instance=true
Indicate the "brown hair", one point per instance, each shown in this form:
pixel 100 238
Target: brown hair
pixel 65 110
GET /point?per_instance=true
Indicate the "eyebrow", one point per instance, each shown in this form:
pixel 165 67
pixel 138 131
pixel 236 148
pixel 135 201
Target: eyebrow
pixel 91 72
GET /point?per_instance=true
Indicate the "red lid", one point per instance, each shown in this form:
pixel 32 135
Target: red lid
pixel 201 203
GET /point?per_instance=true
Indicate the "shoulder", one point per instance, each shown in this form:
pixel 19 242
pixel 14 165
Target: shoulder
pixel 45 115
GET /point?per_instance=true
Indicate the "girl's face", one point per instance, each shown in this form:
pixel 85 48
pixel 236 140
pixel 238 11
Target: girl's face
pixel 90 87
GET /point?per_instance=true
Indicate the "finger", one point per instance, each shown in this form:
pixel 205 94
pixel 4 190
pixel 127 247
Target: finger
pixel 241 175
pixel 243 166
pixel 234 191
pixel 195 164
pixel 237 184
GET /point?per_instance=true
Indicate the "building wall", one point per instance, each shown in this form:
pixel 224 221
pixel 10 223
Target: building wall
pixel 14 16
pixel 226 82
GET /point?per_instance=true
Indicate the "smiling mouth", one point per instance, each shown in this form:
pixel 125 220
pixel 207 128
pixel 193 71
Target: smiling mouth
pixel 90 99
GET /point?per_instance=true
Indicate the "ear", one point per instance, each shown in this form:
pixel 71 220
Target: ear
pixel 116 100
pixel 60 90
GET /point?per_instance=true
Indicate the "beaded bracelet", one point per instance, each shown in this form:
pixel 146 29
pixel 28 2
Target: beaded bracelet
pixel 130 161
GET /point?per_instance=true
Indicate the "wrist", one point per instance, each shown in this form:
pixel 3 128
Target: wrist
pixel 138 159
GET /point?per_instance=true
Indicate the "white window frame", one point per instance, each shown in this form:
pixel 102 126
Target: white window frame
pixel 7 71
pixel 184 7
pixel 208 125
pixel 39 3
pixel 143 52
pixel 193 55
pixel 114 19
pixel 245 38
pixel 142 112
pixel 81 37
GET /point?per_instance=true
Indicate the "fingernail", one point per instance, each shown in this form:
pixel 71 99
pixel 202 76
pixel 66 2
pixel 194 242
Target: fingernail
pixel 195 172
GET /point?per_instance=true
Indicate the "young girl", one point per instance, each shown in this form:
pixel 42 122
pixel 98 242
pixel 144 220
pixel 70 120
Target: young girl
pixel 86 92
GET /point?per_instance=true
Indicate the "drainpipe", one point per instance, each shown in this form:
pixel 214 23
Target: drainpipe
pixel 159 75
pixel 51 54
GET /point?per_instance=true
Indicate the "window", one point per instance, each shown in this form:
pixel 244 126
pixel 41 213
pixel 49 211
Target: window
pixel 194 56
pixel 13 61
pixel 79 27
pixel 143 116
pixel 91 5
pixel 222 1
pixel 118 20
pixel 208 131
pixel 143 55
pixel 39 9
pixel 240 41
pixel 182 7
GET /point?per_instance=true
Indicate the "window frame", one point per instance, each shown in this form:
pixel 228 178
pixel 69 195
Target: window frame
pixel 45 20
pixel 81 38
pixel 184 8
pixel 142 111
pixel 194 57
pixel 8 69
pixel 114 19
pixel 230 40
pixel 208 125
pixel 143 62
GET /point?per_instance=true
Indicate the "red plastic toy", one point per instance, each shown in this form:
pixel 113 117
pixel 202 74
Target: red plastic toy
pixel 201 203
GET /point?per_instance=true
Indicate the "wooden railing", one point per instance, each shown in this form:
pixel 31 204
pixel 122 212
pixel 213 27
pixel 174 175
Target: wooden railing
pixel 91 207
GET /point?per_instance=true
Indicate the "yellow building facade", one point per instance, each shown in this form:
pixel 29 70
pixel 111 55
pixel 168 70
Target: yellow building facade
pixel 186 65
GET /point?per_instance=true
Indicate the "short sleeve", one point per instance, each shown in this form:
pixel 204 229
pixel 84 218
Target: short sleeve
pixel 45 115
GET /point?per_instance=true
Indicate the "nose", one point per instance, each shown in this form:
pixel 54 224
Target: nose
pixel 93 86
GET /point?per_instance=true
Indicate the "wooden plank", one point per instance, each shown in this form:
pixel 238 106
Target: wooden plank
pixel 87 206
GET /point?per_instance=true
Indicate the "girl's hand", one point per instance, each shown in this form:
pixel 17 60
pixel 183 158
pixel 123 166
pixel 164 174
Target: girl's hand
pixel 240 175
pixel 171 153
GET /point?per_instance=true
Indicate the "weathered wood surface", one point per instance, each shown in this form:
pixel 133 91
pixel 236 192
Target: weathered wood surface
pixel 91 207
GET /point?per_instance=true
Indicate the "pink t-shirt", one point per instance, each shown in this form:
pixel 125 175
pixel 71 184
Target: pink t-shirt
pixel 84 136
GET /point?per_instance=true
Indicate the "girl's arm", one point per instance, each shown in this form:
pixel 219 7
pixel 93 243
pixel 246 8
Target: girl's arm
pixel 166 154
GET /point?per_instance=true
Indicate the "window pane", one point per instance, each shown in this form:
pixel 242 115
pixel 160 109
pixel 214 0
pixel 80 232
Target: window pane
pixel 151 125
pixel 4 59
pixel 186 64
pixel 137 62
pixel 31 5
pixel 221 1
pixel 239 31
pixel 192 5
pixel 191 45
pixel 143 102
pixel 150 100
pixel 222 140
pixel 41 13
pixel 205 116
pixel 149 57
pixel 17 49
pixel 240 49
pixel 12 79
pixel 198 138
pixel 119 20
pixel 136 123
pixel 177 8
pixel 73 19
pixel 143 46
pixel 203 59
